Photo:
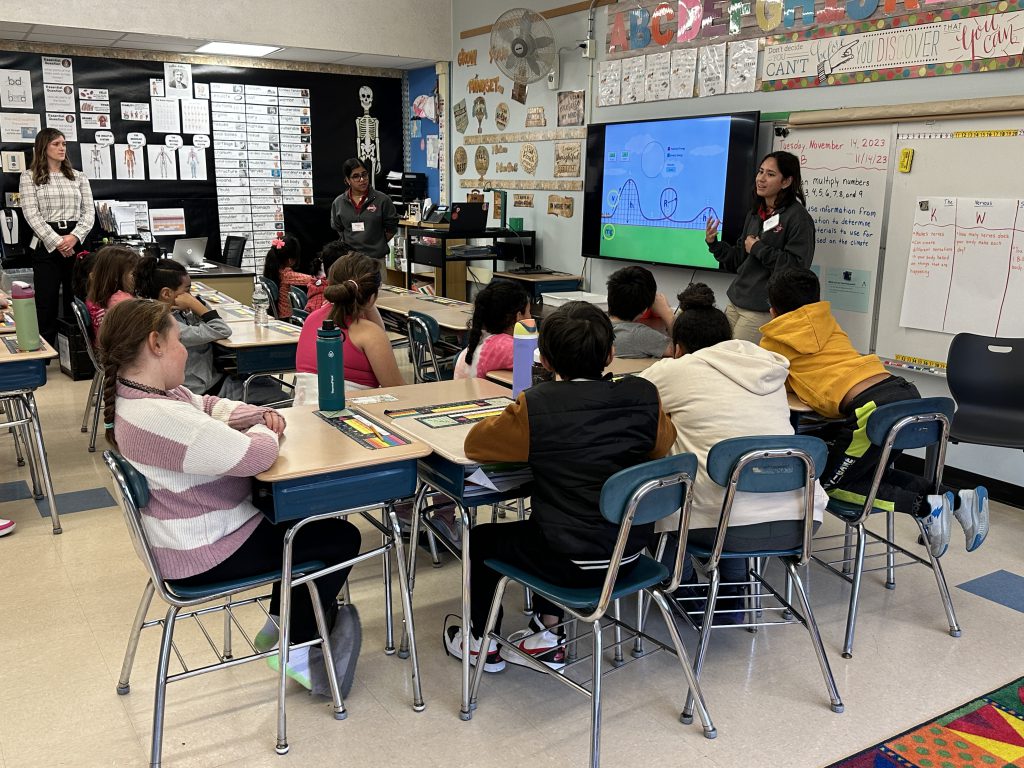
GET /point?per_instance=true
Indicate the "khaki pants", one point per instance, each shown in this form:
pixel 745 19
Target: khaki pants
pixel 746 323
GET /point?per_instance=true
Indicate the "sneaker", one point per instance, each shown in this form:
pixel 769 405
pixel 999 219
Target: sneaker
pixel 936 525
pixel 453 647
pixel 7 526
pixel 539 642
pixel 444 519
pixel 973 516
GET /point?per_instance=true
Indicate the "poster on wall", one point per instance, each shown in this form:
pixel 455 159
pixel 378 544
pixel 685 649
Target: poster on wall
pixel 742 72
pixel 633 80
pixel 15 89
pixel 192 162
pixel 657 76
pixel 128 163
pixel 162 166
pixel 609 83
pixel 178 81
pixel 65 122
pixel 682 74
pixel 58 69
pixel 570 108
pixel 195 116
pixel 94 94
pixel 59 98
pixel 711 70
pixel 568 156
pixel 95 122
pixel 18 129
pixel 96 161
pixel 165 115
pixel 134 110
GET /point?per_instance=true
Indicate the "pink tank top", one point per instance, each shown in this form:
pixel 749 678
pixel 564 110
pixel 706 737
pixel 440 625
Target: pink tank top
pixel 357 365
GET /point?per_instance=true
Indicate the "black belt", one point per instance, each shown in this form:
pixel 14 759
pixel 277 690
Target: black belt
pixel 63 224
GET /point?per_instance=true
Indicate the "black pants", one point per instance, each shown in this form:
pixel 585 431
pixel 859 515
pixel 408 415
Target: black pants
pixel 522 544
pixel 51 275
pixel 330 541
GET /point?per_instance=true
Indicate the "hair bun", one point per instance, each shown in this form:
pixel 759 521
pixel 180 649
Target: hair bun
pixel 696 296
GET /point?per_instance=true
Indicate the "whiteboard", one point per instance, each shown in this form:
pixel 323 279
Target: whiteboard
pixel 846 171
pixel 953 161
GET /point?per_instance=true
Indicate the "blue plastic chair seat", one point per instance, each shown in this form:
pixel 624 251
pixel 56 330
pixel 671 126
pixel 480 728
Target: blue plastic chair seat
pixel 196 592
pixel 847 510
pixel 702 553
pixel 646 573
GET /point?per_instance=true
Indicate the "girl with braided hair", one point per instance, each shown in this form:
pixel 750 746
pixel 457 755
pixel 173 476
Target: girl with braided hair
pixel 199 454
pixel 496 310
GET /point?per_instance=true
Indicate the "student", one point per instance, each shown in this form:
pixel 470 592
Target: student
pixel 715 388
pixel 828 374
pixel 496 310
pixel 198 325
pixel 282 256
pixel 199 454
pixel 329 254
pixel 111 281
pixel 351 293
pixel 777 234
pixel 632 297
pixel 575 434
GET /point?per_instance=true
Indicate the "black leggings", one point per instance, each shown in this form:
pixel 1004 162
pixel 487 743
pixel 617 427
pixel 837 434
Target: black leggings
pixel 330 541
pixel 51 277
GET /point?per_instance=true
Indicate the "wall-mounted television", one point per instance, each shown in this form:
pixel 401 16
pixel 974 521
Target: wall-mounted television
pixel 651 186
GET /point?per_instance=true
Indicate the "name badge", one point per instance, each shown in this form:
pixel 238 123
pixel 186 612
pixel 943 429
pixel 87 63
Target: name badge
pixel 358 226
pixel 770 223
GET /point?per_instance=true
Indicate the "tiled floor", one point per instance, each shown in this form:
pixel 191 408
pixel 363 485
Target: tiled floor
pixel 67 602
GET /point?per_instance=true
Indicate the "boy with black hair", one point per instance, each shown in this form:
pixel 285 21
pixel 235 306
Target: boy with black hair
pixel 828 374
pixel 637 310
pixel 574 433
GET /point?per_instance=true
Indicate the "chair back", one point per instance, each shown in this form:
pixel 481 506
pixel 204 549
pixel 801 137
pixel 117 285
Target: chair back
pixel 766 464
pixel 985 375
pixel 644 494
pixel 271 287
pixel 424 331
pixel 299 316
pixel 132 493
pixel 234 248
pixel 297 297
pixel 84 323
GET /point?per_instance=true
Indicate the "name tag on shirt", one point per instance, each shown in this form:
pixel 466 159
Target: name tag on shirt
pixel 770 223
pixel 358 226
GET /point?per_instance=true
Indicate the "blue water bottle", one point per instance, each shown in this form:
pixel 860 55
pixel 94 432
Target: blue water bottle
pixel 330 367
pixel 524 342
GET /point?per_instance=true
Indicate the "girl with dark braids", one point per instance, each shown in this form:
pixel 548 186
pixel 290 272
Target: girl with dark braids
pixel 496 310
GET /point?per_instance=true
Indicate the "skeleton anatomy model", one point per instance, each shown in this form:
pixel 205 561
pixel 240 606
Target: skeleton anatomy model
pixel 96 158
pixel 368 132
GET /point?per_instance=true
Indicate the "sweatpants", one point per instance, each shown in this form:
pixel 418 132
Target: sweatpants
pixel 746 323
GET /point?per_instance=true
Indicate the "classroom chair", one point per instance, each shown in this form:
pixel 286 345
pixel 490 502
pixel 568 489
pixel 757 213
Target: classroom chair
pixel 132 492
pixel 272 291
pixel 95 400
pixel 424 334
pixel 234 248
pixel 985 375
pixel 906 425
pixel 770 464
pixel 638 495
pixel 297 297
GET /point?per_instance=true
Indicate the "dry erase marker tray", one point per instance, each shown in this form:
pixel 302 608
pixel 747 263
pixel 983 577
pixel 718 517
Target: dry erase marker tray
pixel 362 429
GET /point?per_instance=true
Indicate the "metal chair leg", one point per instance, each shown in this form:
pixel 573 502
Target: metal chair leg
pixel 160 694
pixel 858 575
pixel 940 581
pixel 485 643
pixel 97 407
pixel 15 433
pixel 389 618
pixel 617 659
pixel 467 521
pixel 848 549
pixel 88 402
pixel 890 550
pixel 226 651
pixel 405 594
pixel 124 682
pixel 527 592
pixel 812 630
pixel 595 700
pixel 44 467
pixel 704 641
pixel 325 648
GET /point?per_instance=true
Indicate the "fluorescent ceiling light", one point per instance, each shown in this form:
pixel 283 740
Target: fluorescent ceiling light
pixel 237 49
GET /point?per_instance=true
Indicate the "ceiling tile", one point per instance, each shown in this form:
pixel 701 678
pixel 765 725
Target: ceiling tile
pixel 179 46
pixel 303 54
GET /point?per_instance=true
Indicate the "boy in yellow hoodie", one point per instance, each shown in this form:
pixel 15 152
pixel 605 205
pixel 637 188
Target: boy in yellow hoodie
pixel 828 374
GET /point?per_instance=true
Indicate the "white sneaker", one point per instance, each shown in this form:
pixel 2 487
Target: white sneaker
pixel 7 526
pixel 453 647
pixel 540 643
pixel 973 516
pixel 936 525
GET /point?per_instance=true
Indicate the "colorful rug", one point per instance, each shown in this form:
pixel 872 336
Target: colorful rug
pixel 988 731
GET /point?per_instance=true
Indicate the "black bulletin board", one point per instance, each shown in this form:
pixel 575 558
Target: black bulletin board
pixel 334 107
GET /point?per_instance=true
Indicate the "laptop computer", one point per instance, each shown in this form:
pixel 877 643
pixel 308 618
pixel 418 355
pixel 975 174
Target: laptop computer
pixel 188 251
pixel 468 217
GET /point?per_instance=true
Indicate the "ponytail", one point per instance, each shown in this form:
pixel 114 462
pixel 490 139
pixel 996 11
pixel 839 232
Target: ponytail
pixel 352 284
pixel 152 275
pixel 495 309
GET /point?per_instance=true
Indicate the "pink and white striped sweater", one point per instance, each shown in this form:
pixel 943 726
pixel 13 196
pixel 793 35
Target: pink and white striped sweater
pixel 198 454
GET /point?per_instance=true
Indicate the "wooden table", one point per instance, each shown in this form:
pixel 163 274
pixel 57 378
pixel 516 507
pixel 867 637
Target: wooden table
pixel 451 317
pixel 318 470
pixel 231 281
pixel 618 367
pixel 21 373
pixel 6 321
pixel 263 349
pixel 215 299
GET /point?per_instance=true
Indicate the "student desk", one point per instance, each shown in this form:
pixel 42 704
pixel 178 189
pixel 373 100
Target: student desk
pixel 214 298
pixel 21 373
pixel 618 367
pixel 231 281
pixel 268 349
pixel 537 284
pixel 445 469
pixel 6 321
pixel 451 317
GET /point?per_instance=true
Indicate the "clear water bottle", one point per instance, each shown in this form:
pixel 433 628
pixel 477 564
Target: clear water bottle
pixel 261 304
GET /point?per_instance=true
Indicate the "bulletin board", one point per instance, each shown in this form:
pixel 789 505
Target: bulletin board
pixel 334 106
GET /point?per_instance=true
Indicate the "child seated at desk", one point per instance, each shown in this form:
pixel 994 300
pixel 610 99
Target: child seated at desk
pixel 828 374
pixel 282 256
pixel 716 388
pixel 639 314
pixel 199 454
pixel 199 326
pixel 352 287
pixel 575 434
pixel 111 281
pixel 322 264
pixel 496 310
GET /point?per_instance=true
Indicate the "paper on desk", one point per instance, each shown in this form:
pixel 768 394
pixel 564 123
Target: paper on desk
pixel 370 399
pixel 501 477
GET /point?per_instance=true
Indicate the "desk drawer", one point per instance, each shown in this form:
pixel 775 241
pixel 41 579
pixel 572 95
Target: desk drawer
pixel 22 374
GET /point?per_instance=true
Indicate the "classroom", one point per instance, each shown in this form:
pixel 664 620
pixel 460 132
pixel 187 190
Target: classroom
pixel 433 181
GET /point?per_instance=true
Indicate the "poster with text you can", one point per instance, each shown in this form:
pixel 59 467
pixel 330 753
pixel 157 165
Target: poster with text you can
pixel 845 171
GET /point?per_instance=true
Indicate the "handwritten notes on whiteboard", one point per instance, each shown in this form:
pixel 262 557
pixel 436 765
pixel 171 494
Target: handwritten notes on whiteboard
pixel 966 267
pixel 844 174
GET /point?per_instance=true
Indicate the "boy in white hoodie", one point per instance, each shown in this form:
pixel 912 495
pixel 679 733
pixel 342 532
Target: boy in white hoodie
pixel 714 388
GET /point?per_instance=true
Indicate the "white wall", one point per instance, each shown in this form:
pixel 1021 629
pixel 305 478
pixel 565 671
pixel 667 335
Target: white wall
pixel 560 239
pixel 416 29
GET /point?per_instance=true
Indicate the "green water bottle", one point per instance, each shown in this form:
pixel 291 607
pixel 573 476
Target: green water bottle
pixel 26 322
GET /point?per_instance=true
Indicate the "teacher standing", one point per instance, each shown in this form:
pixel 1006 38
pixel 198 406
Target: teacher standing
pixel 364 218
pixel 57 203
pixel 778 234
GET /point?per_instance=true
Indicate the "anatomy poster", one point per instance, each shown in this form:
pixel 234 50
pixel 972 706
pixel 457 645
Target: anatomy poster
pixel 178 81
pixel 129 163
pixel 162 165
pixel 96 161
pixel 192 161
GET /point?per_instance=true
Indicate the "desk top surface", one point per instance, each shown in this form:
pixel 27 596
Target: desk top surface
pixel 446 441
pixel 538 278
pixel 312 447
pixel 45 352
pixel 6 321
pixel 211 295
pixel 619 366
pixel 248 334
pixel 452 316
pixel 220 270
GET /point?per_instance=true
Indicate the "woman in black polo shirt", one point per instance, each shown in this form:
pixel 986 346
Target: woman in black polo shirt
pixel 364 218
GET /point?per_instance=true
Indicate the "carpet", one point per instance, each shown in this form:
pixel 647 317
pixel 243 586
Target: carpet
pixel 988 731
